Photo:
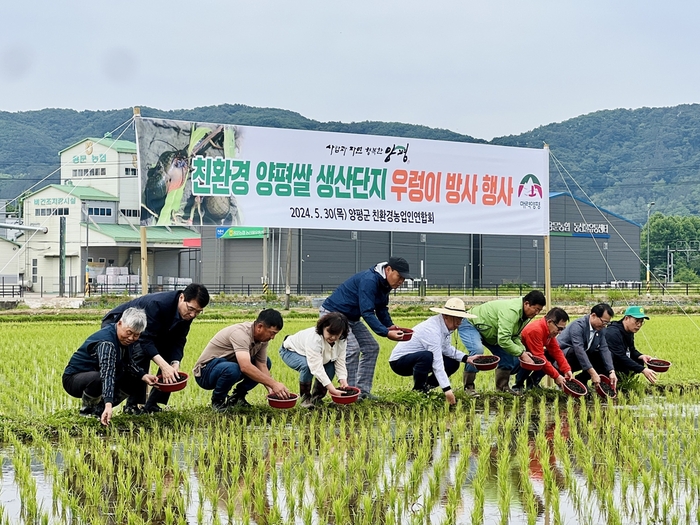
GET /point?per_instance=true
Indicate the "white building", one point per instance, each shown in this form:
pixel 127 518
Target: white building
pixel 98 201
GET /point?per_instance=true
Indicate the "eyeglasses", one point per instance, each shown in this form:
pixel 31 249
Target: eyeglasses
pixel 639 322
pixel 192 310
pixel 559 328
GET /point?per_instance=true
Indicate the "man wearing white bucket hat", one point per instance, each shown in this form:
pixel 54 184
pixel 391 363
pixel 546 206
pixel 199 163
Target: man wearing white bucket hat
pixel 428 356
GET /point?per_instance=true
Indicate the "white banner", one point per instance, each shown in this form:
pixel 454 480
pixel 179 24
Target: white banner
pixel 200 173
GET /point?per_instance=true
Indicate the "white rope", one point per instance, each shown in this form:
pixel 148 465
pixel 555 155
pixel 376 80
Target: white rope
pixel 125 127
pixel 559 166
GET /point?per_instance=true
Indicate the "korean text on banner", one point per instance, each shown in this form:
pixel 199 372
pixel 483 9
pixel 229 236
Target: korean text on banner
pixel 226 175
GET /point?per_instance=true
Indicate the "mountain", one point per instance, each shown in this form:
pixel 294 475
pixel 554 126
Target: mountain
pixel 624 159
pixel 620 159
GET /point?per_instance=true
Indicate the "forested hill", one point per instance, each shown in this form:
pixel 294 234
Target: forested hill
pixel 622 159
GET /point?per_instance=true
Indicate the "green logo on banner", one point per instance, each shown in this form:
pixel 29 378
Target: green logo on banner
pixel 240 232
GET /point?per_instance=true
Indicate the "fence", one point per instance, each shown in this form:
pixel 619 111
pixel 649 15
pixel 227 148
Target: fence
pixel 493 290
pixel 496 290
pixel 11 290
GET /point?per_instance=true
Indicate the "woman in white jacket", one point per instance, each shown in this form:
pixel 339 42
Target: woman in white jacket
pixel 318 352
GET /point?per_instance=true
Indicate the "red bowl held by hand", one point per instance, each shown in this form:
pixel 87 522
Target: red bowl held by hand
pixel 659 365
pixel 277 402
pixel 351 395
pixel 537 365
pixel 172 387
pixel 407 334
pixel 607 390
pixel 575 388
pixel 486 362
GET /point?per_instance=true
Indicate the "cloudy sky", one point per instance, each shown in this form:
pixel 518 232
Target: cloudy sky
pixel 488 68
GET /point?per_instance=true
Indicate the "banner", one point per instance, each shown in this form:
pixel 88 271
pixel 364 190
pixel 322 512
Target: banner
pixel 225 175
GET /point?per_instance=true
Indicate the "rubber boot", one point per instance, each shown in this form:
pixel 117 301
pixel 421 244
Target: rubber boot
pixel 502 379
pixel 90 405
pixel 468 379
pixel 151 406
pixel 317 393
pixel 305 393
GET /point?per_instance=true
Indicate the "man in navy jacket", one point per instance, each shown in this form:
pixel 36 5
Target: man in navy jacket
pixel 584 346
pixel 102 372
pixel 365 295
pixel 170 315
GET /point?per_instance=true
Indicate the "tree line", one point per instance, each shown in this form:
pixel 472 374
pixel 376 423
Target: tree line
pixel 677 234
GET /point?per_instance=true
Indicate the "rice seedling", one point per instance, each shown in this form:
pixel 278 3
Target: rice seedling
pixel 389 463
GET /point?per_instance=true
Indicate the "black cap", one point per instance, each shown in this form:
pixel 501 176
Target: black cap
pixel 400 265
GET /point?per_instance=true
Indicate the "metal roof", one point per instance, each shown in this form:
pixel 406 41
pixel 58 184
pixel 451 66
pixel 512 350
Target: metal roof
pixel 154 234
pixel 555 194
pixel 81 192
pixel 121 146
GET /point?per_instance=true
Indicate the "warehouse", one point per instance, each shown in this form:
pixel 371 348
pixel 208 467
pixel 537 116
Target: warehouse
pixel 588 246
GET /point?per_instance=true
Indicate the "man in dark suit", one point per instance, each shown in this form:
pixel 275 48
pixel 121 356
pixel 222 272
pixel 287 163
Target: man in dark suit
pixel 585 348
pixel 170 315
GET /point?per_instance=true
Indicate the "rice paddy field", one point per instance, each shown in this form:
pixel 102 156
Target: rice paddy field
pixel 543 458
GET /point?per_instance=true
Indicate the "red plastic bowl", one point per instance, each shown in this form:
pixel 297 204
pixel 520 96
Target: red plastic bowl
pixel 172 387
pixel 659 365
pixel 574 393
pixel 603 393
pixel 277 402
pixel 539 363
pixel 407 334
pixel 486 362
pixel 351 395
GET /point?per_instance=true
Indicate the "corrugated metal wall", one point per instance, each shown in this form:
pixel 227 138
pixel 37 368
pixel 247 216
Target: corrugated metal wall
pixel 328 257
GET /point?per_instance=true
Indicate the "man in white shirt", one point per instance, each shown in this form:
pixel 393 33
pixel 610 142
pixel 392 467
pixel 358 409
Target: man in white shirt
pixel 428 356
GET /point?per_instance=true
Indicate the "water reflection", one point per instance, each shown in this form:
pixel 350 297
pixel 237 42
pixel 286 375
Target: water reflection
pixel 531 463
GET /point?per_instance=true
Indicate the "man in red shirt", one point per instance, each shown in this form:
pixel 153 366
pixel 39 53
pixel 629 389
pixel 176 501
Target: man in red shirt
pixel 540 339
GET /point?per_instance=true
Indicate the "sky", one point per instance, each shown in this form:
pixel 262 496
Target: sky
pixel 485 69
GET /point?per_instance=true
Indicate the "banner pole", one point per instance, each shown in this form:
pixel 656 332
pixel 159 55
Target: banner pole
pixel 144 237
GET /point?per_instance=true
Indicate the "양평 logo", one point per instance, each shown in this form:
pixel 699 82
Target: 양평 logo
pixel 530 187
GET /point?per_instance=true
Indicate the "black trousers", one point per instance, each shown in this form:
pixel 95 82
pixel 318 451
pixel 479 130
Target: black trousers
pixel 90 383
pixel 596 361
pixel 420 366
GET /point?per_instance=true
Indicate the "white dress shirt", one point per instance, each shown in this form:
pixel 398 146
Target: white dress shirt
pixel 431 335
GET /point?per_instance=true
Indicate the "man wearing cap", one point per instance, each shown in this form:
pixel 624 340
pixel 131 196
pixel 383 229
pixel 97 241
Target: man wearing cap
pixel 428 356
pixel 365 295
pixel 620 338
pixel 498 327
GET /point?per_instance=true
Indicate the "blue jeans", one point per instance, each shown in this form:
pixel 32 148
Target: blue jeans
pixel 472 341
pixel 299 363
pixel 220 375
